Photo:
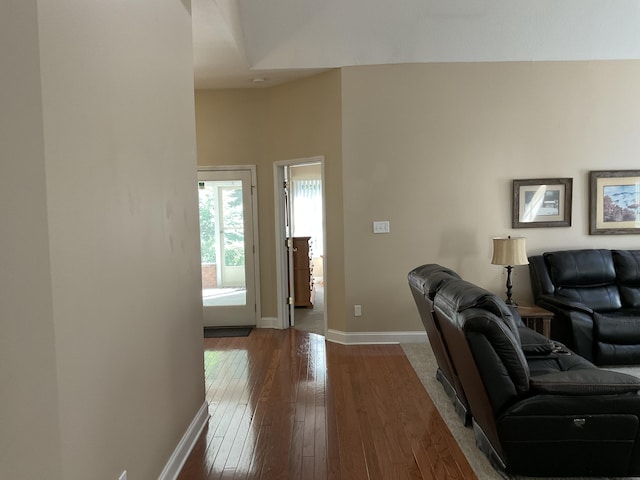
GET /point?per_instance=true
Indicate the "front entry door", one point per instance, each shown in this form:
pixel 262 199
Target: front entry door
pixel 226 248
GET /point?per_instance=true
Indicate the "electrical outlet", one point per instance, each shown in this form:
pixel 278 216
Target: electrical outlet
pixel 357 310
pixel 123 476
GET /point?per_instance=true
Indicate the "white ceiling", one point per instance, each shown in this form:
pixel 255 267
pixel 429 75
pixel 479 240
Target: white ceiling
pixel 236 41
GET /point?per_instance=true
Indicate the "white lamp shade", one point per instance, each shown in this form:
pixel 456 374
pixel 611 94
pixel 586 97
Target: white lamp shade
pixel 509 251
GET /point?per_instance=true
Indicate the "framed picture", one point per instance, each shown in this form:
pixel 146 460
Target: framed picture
pixel 542 202
pixel 614 202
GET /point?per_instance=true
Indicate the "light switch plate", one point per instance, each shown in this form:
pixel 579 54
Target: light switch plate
pixel 381 227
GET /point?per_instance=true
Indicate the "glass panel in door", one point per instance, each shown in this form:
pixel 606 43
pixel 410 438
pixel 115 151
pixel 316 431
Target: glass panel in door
pixel 226 245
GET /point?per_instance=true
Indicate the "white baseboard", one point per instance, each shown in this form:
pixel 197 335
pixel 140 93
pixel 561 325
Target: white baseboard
pixel 364 338
pixel 357 338
pixel 269 322
pixel 188 440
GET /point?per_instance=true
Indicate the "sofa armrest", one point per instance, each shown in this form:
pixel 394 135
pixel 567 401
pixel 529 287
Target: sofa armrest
pixel 555 302
pixel 593 381
pixel 535 344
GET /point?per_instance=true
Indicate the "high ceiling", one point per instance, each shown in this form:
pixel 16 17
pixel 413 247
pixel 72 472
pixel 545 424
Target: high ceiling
pixel 252 43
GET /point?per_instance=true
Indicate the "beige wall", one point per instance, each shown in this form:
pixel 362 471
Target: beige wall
pixel 297 120
pixel 434 148
pixel 106 276
pixel 29 418
pixel 231 126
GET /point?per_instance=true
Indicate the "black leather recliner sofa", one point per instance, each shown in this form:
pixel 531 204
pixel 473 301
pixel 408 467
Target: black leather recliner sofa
pixel 595 297
pixel 537 408
pixel 424 282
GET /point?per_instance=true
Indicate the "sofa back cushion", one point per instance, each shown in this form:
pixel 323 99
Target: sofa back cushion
pixel 464 295
pixel 627 263
pixel 430 277
pixel 586 276
pixel 476 311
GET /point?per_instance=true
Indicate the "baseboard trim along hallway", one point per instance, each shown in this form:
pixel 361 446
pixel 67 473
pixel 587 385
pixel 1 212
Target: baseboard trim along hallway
pixel 372 338
pixel 184 447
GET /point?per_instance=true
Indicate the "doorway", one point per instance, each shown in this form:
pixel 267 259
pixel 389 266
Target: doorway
pixel 227 239
pixel 300 232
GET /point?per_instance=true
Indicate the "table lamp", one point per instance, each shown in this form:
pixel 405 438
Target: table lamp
pixel 509 252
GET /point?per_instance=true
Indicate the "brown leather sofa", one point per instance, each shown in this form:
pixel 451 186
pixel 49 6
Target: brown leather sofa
pixel 537 408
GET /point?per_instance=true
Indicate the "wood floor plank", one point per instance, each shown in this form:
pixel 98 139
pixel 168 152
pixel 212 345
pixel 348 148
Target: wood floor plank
pixel 288 405
pixel 197 465
pixel 352 455
pixel 320 443
pixel 295 450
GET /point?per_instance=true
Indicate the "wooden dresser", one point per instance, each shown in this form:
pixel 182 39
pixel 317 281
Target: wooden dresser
pixel 302 272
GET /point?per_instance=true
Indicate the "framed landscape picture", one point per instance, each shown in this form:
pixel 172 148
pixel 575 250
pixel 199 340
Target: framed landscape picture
pixel 542 202
pixel 614 202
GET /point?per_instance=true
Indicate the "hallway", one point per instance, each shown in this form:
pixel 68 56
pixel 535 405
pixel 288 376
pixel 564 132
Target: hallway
pixel 287 404
pixel 312 319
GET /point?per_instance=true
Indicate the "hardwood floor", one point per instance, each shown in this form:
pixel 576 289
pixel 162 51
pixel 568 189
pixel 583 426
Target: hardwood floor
pixel 287 405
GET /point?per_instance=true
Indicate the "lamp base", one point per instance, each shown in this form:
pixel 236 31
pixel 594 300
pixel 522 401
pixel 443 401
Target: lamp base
pixel 509 301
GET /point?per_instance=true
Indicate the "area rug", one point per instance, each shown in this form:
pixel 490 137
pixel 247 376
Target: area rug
pixel 423 361
pixel 220 332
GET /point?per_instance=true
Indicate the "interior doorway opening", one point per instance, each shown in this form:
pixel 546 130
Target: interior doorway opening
pixel 301 259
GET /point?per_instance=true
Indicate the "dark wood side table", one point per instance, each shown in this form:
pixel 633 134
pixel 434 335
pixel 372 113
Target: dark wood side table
pixel 537 318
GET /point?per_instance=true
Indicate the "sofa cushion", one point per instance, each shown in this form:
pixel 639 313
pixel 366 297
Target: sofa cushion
pixel 477 311
pixel 563 361
pixel 461 295
pixel 496 349
pixel 616 354
pixel 534 343
pixel 435 281
pixel 581 268
pixel 604 298
pixel 429 277
pixel 593 381
pixel 495 305
pixel 627 264
pixel 621 327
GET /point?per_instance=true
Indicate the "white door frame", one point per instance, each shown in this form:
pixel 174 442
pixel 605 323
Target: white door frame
pixel 254 207
pixel 281 251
